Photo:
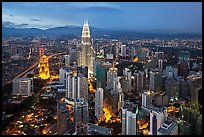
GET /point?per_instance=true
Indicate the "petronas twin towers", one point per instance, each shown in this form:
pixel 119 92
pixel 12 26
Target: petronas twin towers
pixel 86 51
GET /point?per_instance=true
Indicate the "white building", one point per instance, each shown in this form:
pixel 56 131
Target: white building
pixel 155 80
pixel 67 60
pixel 129 118
pixel 22 87
pixel 62 74
pixel 147 99
pixel 157 117
pixel 123 50
pixel 160 64
pixel 99 103
pixel 169 127
pixel 76 87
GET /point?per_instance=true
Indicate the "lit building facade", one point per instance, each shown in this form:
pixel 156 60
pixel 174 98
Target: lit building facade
pixel 86 51
pixel 44 71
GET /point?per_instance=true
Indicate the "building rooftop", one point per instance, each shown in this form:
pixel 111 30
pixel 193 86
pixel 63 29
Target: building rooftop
pixel 98 130
pixel 167 127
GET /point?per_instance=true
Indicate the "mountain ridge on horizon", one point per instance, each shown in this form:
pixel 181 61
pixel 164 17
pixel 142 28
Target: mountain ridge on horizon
pixel 76 30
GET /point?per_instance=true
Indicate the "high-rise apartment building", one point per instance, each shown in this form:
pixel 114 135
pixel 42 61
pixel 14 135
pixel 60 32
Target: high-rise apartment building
pixel 155 80
pixel 129 118
pixel 81 116
pixel 22 87
pixel 62 118
pixel 99 103
pixel 76 87
pixel 139 81
pixel 157 117
pixel 123 50
pixel 67 60
pixel 147 99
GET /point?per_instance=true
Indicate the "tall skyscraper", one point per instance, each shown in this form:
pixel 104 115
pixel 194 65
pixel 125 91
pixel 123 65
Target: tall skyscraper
pixel 62 116
pixel 155 80
pixel 157 117
pixel 76 87
pixel 160 64
pixel 139 80
pixel 63 72
pixel 81 116
pixel 147 98
pixel 99 103
pixel 129 118
pixel 67 60
pixel 123 50
pixel 22 87
pixel 87 51
pixel 112 77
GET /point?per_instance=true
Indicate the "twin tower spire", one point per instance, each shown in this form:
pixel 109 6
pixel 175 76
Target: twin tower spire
pixel 86 33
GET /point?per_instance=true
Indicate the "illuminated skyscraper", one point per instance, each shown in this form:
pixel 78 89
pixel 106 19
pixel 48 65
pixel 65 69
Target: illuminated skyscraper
pixel 44 71
pixel 86 52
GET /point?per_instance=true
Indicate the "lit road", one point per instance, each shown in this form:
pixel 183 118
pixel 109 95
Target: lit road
pixel 24 72
pixel 34 65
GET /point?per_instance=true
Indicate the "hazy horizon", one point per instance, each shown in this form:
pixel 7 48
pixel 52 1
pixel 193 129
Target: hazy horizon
pixel 173 17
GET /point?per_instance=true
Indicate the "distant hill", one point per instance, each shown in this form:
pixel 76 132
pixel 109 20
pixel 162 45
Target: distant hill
pixel 75 31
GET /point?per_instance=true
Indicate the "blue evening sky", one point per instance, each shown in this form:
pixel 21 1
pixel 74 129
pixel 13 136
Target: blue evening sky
pixel 139 16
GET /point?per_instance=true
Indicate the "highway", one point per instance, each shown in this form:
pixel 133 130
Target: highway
pixel 34 65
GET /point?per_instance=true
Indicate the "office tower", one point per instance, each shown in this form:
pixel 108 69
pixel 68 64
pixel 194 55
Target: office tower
pixel 171 72
pixel 147 99
pixel 157 117
pixel 169 127
pixel 76 87
pixel 93 129
pixel 123 50
pixel 62 118
pixel 112 77
pixel 67 60
pixel 99 103
pixel 129 118
pixel 22 87
pixel 139 80
pixel 143 53
pixel 87 52
pixel 83 86
pixel 155 80
pixel 172 88
pixel 133 52
pixel 159 55
pixel 184 56
pixel 44 71
pixel 62 74
pixel 126 80
pixel 81 116
pixel 101 73
pixel 160 64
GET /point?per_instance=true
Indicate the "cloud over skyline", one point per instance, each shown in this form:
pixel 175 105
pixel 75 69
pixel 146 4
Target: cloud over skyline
pixel 170 16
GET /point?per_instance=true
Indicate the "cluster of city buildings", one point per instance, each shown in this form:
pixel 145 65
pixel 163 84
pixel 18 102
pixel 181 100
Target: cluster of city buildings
pixel 150 91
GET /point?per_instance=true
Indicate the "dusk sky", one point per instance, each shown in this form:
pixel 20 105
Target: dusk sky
pixel 138 16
